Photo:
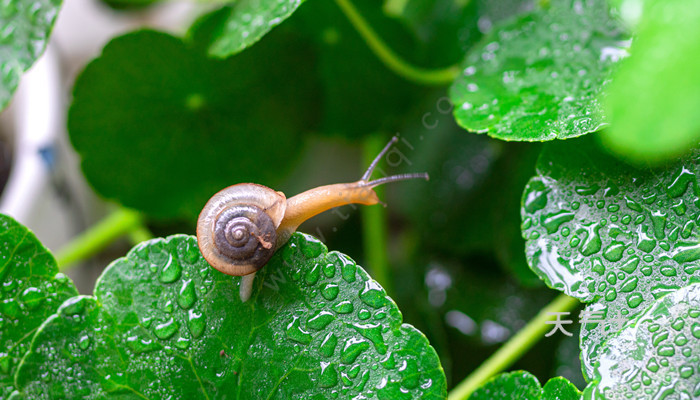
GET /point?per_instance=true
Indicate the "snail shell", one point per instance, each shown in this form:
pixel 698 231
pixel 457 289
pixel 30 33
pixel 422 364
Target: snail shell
pixel 236 230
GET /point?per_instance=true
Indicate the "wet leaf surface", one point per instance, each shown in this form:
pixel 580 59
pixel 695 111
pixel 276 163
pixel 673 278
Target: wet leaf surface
pixel 247 21
pixel 32 289
pixel 26 26
pixel 160 127
pixel 657 355
pixel 610 234
pixel 523 385
pixel 316 326
pixel 539 76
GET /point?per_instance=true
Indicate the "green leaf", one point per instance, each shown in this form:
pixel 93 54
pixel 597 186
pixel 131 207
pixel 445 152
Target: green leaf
pixel 32 289
pixel 26 26
pixel 661 122
pixel 160 127
pixel 316 326
pixel 361 96
pixel 539 77
pixel 657 355
pixel 610 234
pixel 475 182
pixel 523 385
pixel 247 21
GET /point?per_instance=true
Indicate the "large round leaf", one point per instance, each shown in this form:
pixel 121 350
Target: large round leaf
pixel 657 355
pixel 32 290
pixel 160 127
pixel 163 321
pixel 610 234
pixel 539 77
pixel 24 31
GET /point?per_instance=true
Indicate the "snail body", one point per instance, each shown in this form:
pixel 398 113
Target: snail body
pixel 241 226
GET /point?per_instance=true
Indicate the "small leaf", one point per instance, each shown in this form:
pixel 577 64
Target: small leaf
pixel 539 77
pixel 32 289
pixel 662 121
pixel 656 355
pixel 610 234
pixel 523 385
pixel 316 326
pixel 247 21
pixel 26 26
pixel 160 127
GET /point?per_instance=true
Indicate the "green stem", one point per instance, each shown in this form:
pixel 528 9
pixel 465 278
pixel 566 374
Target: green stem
pixel 514 348
pixel 99 236
pixel 374 227
pixel 392 60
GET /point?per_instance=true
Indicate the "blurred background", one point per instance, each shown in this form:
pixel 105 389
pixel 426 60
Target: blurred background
pixel 456 264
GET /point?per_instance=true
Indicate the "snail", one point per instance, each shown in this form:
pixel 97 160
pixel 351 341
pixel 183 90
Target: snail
pixel 242 226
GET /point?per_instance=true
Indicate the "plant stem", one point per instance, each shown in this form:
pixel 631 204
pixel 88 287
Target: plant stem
pixel 374 229
pixel 514 348
pixel 392 60
pixel 97 237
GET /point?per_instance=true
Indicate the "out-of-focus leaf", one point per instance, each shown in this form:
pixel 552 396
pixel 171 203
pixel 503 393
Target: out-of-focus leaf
pixel 655 356
pixel 522 385
pixel 539 77
pixel 32 289
pixel 653 98
pixel 317 326
pixel 472 200
pixel 247 21
pixel 24 31
pixel 610 234
pixel 361 96
pixel 160 127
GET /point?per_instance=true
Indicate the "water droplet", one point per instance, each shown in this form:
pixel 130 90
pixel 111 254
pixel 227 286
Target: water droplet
pixel 553 221
pixel 312 276
pixel 186 297
pixel 171 271
pixel 329 270
pixel 634 299
pixel 666 350
pixel 195 323
pixel 630 265
pixel 352 349
pixel 614 251
pixel 680 182
pixel 644 242
pixel 592 243
pixel 630 284
pixel 364 314
pixel 320 320
pixel 587 190
pixel 138 345
pixel 328 345
pixel 659 337
pixel 373 332
pixel 678 324
pixel 182 343
pixel 329 376
pixel 686 371
pixel 312 247
pixel 344 307
pixel 32 297
pixel 667 270
pixel 633 205
pixel 611 294
pixel 373 295
pixel 84 342
pixel 166 329
pixel 680 340
pixel 613 208
pixel 535 196
pixel 295 333
pixel 611 278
